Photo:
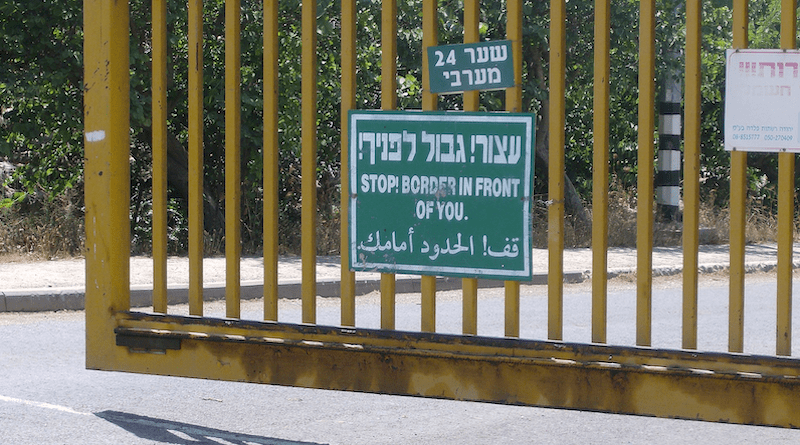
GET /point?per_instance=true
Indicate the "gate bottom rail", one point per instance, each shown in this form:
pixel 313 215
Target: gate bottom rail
pixel 737 388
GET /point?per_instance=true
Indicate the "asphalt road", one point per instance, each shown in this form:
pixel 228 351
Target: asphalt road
pixel 46 395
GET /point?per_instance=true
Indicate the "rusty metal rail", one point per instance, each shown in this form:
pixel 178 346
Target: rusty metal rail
pixel 708 386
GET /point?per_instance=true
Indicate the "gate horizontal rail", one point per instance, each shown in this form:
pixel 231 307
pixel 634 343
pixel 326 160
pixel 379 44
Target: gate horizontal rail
pixel 706 386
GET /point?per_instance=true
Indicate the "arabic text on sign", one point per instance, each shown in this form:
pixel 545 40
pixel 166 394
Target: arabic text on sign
pixel 450 246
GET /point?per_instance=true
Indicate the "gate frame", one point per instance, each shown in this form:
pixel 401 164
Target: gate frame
pixel 731 387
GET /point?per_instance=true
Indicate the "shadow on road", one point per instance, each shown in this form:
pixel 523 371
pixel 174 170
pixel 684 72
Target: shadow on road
pixel 167 431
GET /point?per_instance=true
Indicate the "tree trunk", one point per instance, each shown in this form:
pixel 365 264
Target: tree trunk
pixel 178 180
pixel 573 205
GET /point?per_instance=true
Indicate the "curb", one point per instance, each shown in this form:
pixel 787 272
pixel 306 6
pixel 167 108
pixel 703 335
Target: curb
pixel 73 299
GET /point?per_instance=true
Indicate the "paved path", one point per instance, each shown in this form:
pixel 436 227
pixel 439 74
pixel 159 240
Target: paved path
pixel 54 285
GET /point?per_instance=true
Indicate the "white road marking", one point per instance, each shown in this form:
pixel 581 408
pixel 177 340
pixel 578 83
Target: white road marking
pixel 43 405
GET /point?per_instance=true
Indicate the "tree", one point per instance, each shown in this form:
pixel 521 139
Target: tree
pixel 41 93
pixel 41 101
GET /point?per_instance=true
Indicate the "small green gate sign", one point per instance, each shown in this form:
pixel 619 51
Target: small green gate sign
pixel 473 66
pixel 441 193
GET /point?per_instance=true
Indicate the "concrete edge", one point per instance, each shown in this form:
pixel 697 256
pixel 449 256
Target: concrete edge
pixel 56 299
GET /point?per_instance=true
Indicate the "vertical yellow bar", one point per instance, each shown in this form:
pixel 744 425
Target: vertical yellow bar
pixel 691 174
pixel 387 301
pixel 429 103
pixel 389 54
pixel 388 102
pixel 348 277
pixel 469 286
pixel 514 105
pixel 428 305
pixel 309 162
pixel 785 244
pixel 602 47
pixel 644 214
pixel 471 35
pixel 107 174
pixel 233 188
pixel 514 34
pixel 195 157
pixel 512 308
pixel 159 108
pixel 737 211
pixel 737 240
pixel 430 37
pixel 786 192
pixel 555 186
pixel 270 155
pixel 469 306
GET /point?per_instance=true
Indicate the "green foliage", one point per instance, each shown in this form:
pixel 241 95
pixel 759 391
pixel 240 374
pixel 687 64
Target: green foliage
pixel 40 93
pixel 41 101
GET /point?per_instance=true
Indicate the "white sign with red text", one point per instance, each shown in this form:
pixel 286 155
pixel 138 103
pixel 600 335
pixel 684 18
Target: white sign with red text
pixel 762 100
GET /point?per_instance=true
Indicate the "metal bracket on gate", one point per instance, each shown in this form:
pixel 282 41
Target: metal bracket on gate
pixel 150 342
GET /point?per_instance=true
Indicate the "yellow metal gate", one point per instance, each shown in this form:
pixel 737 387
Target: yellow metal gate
pixel 684 383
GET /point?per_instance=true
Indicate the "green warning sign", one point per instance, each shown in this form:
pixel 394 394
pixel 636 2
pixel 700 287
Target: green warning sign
pixel 470 66
pixel 441 193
